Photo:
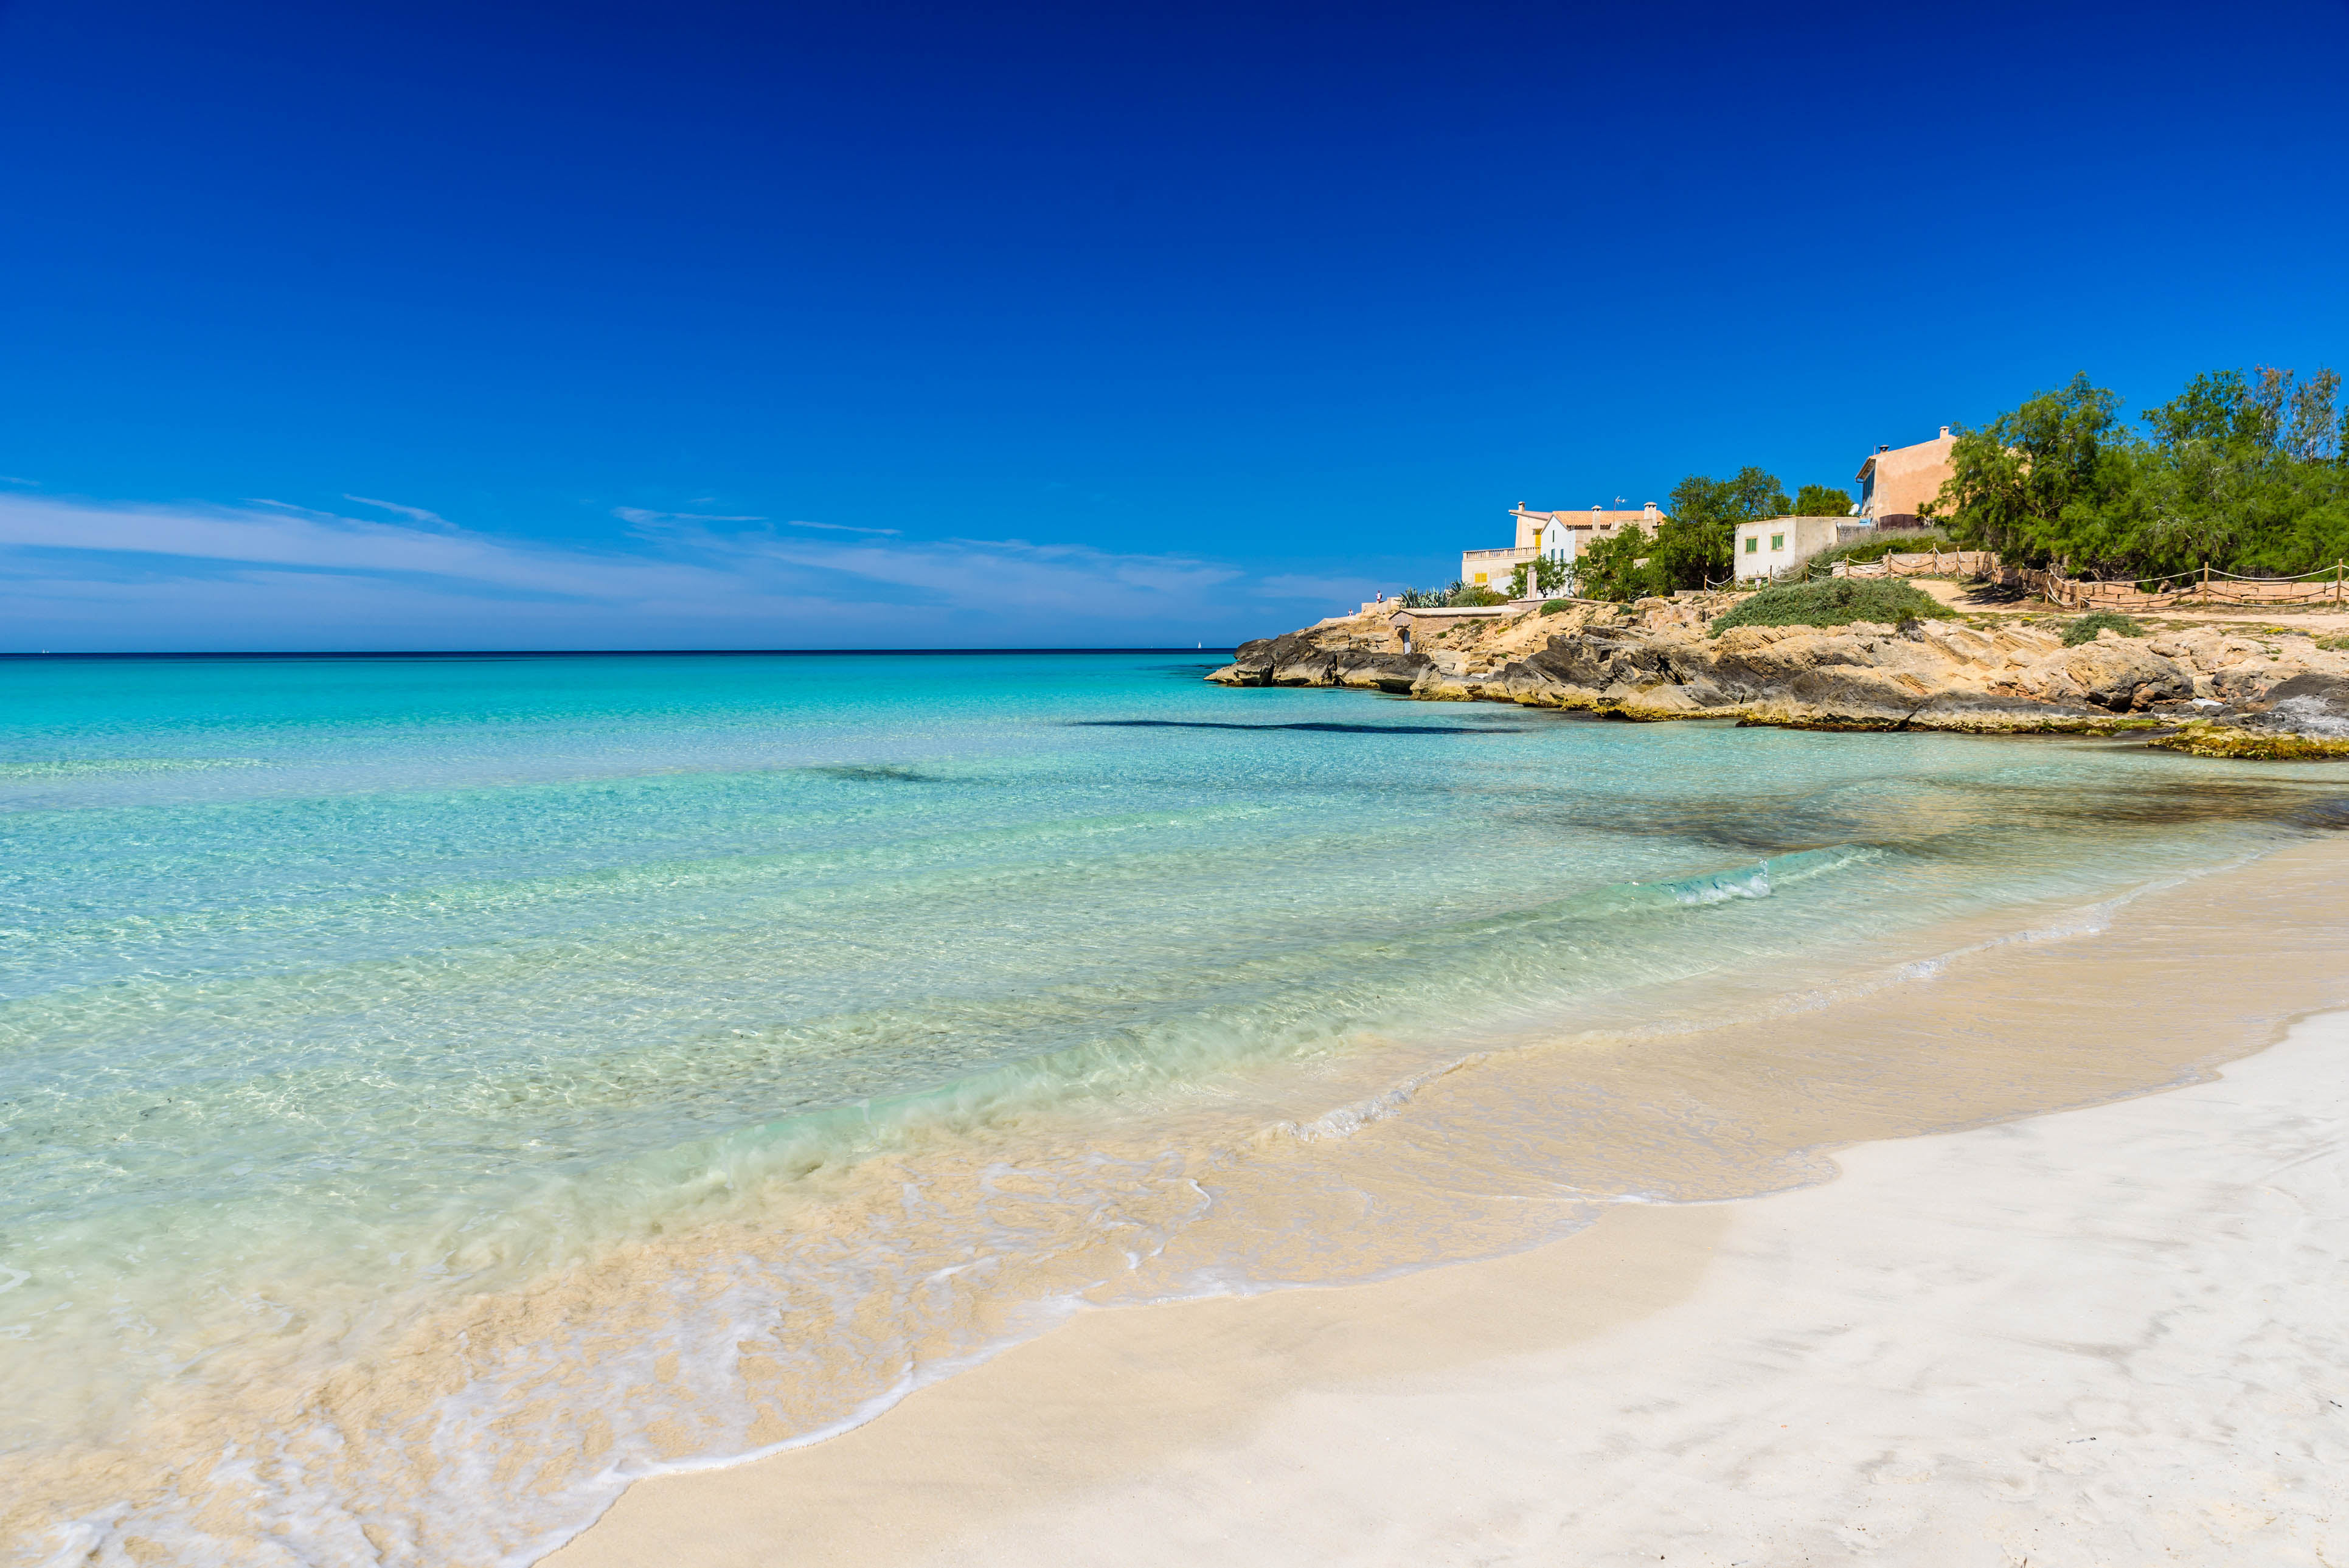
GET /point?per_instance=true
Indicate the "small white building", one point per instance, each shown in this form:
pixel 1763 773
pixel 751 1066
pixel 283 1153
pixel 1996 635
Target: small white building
pixel 1771 544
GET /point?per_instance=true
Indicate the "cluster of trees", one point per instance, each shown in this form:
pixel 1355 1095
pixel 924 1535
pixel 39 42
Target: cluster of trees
pixel 2243 473
pixel 1823 501
pixel 1692 545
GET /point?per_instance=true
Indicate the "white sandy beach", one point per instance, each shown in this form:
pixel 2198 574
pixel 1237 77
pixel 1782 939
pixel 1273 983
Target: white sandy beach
pixel 2109 1336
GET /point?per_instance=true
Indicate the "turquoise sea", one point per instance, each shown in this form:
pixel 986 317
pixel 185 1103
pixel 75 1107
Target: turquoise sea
pixel 435 1090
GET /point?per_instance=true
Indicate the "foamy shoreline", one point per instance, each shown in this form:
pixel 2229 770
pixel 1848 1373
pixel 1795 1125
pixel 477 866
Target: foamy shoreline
pixel 2103 1335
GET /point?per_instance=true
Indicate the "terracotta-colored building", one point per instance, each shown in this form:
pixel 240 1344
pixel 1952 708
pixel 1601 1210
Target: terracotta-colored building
pixel 1897 482
pixel 1559 535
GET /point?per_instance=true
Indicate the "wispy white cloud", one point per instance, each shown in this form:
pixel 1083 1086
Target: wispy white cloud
pixel 639 515
pixel 843 528
pixel 270 574
pixel 417 513
pixel 13 480
pixel 301 538
pixel 670 520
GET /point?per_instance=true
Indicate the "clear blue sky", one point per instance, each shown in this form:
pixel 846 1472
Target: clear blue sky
pixel 688 324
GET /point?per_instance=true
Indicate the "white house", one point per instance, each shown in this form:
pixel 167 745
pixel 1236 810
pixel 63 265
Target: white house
pixel 1560 536
pixel 1771 544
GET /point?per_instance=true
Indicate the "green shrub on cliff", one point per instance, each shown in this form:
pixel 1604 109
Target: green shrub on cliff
pixel 2085 628
pixel 1837 601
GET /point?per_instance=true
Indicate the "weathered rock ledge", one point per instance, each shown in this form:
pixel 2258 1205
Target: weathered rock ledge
pixel 2212 690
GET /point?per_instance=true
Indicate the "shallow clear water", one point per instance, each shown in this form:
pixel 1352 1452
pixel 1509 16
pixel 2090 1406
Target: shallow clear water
pixel 338 996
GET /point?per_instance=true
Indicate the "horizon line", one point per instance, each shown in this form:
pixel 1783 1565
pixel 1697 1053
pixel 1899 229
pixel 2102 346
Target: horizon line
pixel 585 652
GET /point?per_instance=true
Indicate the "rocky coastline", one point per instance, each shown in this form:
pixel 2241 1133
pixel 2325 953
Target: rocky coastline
pixel 2248 689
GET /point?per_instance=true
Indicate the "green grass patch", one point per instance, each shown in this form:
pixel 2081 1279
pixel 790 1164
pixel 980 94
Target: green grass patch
pixel 2085 628
pixel 1837 601
pixel 1555 607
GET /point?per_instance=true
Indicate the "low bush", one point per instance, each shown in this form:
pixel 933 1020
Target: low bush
pixel 1460 596
pixel 2085 628
pixel 1554 608
pixel 1835 601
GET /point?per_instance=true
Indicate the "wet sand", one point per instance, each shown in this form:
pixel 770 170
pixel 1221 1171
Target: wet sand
pixel 2104 1334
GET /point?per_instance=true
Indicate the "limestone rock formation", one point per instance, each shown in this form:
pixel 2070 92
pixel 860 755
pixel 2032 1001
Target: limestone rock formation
pixel 1294 660
pixel 1991 673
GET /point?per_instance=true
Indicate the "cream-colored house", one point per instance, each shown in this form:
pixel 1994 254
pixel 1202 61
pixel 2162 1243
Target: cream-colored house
pixel 1560 536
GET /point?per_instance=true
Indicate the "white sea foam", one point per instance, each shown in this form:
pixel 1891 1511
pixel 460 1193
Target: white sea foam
pixel 1344 1121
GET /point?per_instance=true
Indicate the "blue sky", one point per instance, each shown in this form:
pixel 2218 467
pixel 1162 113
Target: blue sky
pixel 743 326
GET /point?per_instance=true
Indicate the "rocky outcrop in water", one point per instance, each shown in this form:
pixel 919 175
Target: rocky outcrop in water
pixel 2228 690
pixel 1298 658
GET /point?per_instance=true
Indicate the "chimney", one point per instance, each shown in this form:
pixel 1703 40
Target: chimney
pixel 1945 432
pixel 1885 446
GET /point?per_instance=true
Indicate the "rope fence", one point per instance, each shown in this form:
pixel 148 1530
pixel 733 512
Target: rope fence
pixel 1922 563
pixel 2210 586
pixel 2207 585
